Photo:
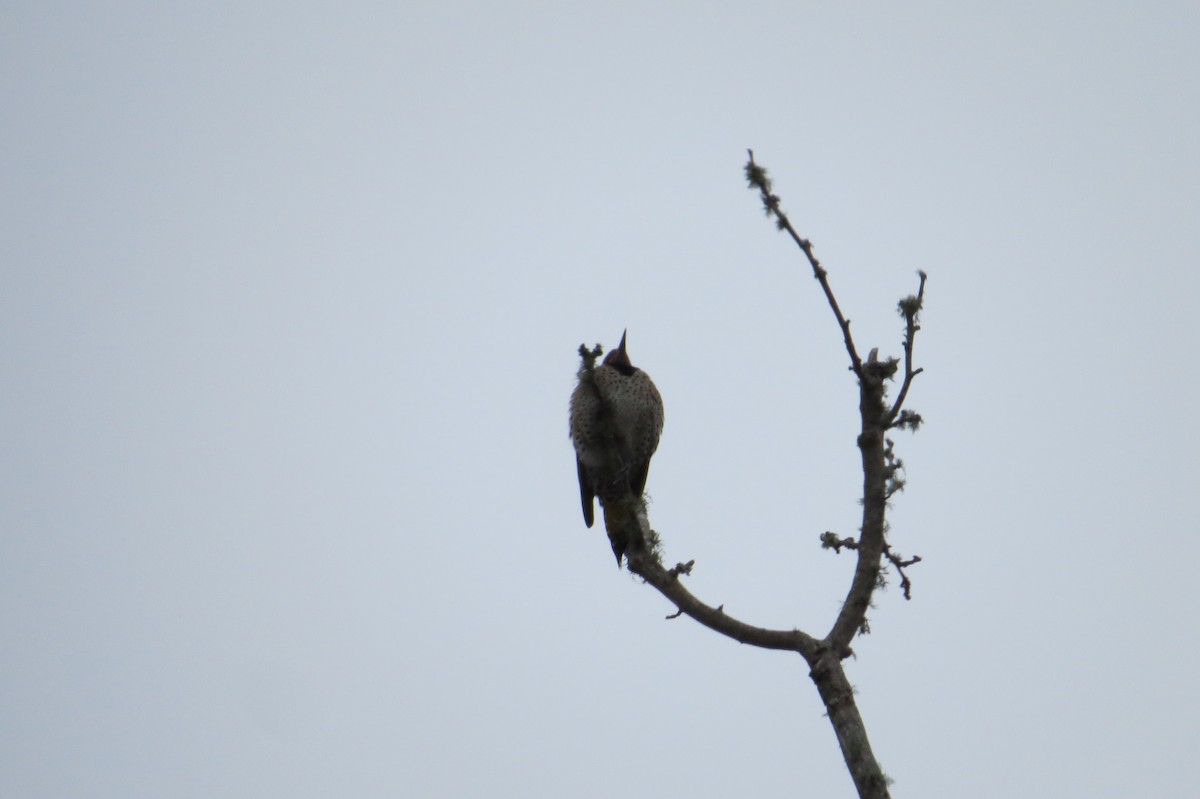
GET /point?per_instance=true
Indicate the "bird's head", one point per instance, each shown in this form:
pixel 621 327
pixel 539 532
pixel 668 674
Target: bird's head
pixel 618 358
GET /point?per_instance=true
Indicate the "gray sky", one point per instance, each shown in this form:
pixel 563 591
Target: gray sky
pixel 291 298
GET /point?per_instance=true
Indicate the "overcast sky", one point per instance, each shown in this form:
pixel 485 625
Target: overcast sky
pixel 290 307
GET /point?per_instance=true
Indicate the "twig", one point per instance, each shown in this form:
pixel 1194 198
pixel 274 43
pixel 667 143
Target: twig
pixel 900 563
pixel 910 309
pixel 830 540
pixel 756 176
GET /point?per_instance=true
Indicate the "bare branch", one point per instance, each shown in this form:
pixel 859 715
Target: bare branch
pixel 838 696
pixel 874 500
pixel 882 478
pixel 825 667
pixel 830 540
pixel 910 309
pixel 625 518
pixel 757 177
pixel 900 564
pixel 648 567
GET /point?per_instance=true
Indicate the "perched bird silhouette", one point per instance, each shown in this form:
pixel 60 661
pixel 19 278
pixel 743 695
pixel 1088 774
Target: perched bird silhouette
pixel 616 420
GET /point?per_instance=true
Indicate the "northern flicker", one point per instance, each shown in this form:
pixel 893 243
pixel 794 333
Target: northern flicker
pixel 616 420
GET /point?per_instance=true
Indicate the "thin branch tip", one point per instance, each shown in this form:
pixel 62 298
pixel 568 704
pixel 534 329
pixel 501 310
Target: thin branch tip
pixel 682 568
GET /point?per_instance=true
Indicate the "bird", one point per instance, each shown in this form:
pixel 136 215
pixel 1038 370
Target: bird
pixel 616 419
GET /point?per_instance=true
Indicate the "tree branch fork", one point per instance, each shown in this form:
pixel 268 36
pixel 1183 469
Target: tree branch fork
pixel 882 478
